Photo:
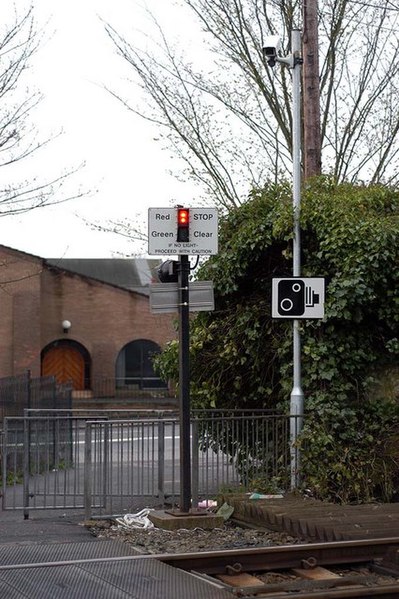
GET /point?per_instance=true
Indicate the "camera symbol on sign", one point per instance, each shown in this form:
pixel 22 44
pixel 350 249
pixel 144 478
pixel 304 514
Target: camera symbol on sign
pixel 294 297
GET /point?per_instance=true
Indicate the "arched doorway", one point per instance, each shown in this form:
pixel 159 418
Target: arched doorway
pixel 134 365
pixel 68 361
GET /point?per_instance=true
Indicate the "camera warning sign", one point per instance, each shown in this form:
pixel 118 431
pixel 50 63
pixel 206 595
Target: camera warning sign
pixel 298 298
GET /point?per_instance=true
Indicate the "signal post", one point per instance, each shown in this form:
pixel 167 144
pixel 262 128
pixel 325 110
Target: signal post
pixel 183 236
pixel 182 231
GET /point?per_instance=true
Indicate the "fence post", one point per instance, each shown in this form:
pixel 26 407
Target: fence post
pixel 195 462
pixel 4 462
pixel 107 425
pixel 295 427
pixel 26 465
pixel 28 389
pixel 88 471
pixel 161 461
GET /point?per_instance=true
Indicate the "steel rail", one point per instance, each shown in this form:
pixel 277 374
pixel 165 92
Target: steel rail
pixel 347 586
pixel 386 591
pixel 283 556
pixel 259 558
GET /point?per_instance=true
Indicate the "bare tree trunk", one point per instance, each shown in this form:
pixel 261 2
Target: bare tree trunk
pixel 311 91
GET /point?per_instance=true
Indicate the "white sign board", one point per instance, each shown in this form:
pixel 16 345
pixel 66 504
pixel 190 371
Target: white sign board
pixel 298 298
pixel 162 232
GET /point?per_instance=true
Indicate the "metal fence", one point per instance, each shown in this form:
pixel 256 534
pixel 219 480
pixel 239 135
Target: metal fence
pixel 102 462
pixel 21 392
pixel 127 387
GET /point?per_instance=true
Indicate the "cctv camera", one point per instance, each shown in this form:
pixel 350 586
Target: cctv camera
pixel 271 49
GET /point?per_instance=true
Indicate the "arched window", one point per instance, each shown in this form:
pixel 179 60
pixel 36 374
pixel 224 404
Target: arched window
pixel 134 366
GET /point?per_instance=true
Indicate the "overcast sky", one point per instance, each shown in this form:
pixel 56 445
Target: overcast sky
pixel 126 169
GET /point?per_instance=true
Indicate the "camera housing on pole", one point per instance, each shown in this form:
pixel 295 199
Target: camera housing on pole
pixel 271 52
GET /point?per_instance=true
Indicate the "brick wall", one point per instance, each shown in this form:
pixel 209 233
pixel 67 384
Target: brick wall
pixel 20 337
pixel 34 300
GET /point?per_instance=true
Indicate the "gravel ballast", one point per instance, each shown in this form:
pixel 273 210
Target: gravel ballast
pixel 158 541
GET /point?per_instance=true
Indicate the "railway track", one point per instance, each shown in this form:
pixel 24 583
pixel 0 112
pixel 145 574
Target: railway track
pixel 364 568
pixel 328 570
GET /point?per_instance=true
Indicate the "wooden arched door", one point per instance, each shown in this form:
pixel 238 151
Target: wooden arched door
pixel 66 363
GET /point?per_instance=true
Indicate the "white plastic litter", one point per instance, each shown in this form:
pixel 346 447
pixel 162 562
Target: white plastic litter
pixel 262 496
pixel 139 520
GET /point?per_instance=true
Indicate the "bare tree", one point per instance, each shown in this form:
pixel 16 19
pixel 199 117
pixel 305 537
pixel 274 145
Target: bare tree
pixel 359 83
pixel 19 41
pixel 133 230
pixel 231 123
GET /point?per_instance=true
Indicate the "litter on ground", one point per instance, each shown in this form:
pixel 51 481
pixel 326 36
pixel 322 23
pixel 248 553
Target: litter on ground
pixel 138 520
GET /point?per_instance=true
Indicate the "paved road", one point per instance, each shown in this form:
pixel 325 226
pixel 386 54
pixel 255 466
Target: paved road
pixel 127 461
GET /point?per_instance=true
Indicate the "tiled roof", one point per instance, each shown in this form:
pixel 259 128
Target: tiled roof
pixel 133 274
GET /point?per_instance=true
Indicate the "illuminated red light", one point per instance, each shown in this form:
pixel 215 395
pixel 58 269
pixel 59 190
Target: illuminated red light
pixel 182 217
pixel 183 224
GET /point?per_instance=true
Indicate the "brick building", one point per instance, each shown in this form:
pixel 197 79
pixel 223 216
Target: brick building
pixel 85 321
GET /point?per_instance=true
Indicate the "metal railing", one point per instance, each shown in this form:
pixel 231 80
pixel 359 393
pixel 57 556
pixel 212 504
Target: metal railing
pixel 127 387
pixel 23 391
pixel 100 462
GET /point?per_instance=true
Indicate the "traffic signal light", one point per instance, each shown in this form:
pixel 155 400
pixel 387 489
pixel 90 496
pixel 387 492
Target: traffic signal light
pixel 167 272
pixel 183 224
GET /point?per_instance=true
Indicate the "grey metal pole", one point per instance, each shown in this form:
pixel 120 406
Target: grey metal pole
pixel 297 396
pixel 26 463
pixel 88 471
pixel 161 462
